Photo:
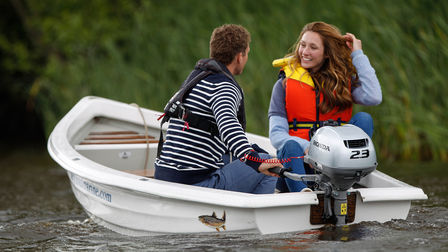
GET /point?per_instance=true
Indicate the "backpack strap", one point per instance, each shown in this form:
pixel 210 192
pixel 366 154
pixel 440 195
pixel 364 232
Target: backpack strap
pixel 175 109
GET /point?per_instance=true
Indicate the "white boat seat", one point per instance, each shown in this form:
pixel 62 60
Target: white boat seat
pixel 121 150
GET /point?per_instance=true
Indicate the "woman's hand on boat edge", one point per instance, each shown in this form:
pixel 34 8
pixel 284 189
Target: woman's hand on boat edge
pixel 270 163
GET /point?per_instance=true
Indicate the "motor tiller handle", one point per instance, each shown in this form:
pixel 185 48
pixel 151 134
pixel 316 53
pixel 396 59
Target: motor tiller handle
pixel 279 170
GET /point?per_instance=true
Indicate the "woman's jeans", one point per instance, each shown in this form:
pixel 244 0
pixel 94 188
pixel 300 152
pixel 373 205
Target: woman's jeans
pixel 237 176
pixel 293 151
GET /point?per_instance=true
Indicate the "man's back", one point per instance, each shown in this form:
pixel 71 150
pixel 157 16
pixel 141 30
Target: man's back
pixel 197 152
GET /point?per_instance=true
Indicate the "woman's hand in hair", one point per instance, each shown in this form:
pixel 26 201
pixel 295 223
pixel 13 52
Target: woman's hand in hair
pixel 352 42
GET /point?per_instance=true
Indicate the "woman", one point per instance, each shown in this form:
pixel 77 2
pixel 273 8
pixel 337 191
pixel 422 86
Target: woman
pixel 318 82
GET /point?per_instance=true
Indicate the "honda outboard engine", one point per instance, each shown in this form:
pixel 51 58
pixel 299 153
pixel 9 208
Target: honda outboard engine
pixel 342 155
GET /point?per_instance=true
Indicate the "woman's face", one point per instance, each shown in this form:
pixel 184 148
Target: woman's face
pixel 311 51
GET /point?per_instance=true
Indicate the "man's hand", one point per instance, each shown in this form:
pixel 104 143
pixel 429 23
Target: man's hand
pixel 270 163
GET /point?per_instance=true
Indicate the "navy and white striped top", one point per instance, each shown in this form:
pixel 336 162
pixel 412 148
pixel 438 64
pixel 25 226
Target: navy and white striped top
pixel 190 155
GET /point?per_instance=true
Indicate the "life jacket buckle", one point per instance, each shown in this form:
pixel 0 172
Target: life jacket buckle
pixel 330 122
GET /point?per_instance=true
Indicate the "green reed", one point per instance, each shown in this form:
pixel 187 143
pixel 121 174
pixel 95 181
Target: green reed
pixel 141 52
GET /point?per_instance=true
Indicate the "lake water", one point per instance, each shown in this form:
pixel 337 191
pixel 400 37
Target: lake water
pixel 39 212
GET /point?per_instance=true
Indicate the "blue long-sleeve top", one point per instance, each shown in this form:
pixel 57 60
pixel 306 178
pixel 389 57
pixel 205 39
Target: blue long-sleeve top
pixel 367 91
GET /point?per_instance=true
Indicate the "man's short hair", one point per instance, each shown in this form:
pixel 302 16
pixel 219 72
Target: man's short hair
pixel 227 41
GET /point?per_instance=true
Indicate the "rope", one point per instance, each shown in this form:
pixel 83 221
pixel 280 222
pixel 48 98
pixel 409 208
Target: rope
pixel 260 160
pixel 146 134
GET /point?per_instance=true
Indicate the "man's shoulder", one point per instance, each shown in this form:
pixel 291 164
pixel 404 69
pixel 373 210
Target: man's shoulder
pixel 218 78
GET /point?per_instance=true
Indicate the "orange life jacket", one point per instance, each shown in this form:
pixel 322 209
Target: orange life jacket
pixel 302 103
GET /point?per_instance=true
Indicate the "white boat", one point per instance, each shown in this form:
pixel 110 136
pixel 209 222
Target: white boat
pixel 108 149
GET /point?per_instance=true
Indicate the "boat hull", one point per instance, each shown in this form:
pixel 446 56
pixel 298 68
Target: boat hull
pixel 138 213
pixel 105 181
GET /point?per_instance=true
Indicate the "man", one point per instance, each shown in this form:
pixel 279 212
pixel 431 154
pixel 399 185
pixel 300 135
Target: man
pixel 194 155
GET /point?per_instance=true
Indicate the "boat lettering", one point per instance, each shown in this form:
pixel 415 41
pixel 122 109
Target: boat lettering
pixel 356 154
pixel 92 189
pixel 98 192
pixel 321 145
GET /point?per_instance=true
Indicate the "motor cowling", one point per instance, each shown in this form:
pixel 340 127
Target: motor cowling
pixel 343 154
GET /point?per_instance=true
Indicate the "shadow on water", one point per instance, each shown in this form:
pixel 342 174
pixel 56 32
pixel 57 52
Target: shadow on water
pixel 38 211
pixel 343 233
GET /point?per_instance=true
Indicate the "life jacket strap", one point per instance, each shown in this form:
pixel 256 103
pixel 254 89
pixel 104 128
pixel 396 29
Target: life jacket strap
pixel 200 122
pixel 295 125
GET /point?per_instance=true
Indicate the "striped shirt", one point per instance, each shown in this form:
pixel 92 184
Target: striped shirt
pixel 190 154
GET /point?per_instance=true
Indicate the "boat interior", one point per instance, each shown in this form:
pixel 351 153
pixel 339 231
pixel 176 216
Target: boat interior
pixel 119 145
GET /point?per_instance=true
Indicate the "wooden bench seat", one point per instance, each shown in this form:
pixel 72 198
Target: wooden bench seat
pixel 118 137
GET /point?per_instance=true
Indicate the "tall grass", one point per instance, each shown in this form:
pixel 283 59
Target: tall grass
pixel 141 52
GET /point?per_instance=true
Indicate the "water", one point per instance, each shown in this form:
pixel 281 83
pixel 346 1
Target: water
pixel 39 212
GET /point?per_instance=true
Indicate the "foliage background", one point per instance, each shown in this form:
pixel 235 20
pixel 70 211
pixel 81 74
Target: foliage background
pixel 55 52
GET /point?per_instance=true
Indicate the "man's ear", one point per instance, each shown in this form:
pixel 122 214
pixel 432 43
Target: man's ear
pixel 239 57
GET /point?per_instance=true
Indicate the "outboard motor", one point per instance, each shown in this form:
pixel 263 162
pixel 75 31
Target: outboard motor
pixel 342 155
